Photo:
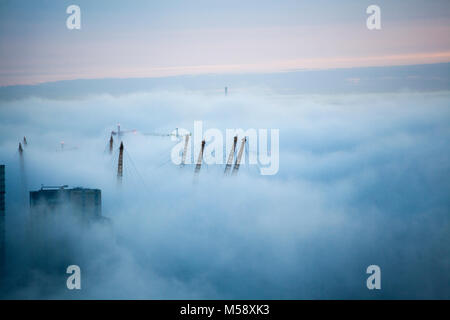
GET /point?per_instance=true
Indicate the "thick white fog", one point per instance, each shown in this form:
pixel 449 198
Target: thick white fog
pixel 363 179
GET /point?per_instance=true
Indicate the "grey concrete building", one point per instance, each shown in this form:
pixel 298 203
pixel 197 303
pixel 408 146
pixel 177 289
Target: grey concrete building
pixel 82 202
pixel 2 215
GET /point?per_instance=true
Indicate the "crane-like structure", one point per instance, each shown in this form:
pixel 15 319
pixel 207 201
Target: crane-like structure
pixel 156 134
pixel 111 143
pixel 200 158
pixel 120 132
pixel 186 142
pixel 239 157
pixel 231 156
pixel 120 165
pixel 22 169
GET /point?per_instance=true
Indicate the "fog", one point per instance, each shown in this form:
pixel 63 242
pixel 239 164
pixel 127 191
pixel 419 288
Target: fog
pixel 363 179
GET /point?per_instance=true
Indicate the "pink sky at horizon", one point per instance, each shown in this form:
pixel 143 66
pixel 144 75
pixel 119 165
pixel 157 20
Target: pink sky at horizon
pixel 87 55
pixel 274 67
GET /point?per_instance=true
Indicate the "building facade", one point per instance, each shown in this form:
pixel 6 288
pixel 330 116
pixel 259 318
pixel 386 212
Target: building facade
pixel 81 202
pixel 60 221
pixel 2 215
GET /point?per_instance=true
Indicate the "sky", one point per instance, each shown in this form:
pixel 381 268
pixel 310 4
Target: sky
pixel 121 39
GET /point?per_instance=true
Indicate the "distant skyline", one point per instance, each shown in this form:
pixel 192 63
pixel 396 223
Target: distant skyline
pixel 137 39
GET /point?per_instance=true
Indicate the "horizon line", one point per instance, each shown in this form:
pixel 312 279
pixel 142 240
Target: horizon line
pixel 250 72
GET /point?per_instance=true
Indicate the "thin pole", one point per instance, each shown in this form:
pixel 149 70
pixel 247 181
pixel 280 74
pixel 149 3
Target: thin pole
pixel 111 142
pixel 239 157
pixel 120 165
pixel 200 158
pixel 186 141
pixel 231 156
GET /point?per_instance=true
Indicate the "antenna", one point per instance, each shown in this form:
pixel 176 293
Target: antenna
pixel 120 165
pixel 200 158
pixel 186 142
pixel 239 157
pixel 111 142
pixel 231 156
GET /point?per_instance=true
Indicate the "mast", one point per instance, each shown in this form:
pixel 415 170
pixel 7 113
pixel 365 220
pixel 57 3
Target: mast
pixel 200 158
pixel 186 142
pixel 111 142
pixel 120 165
pixel 239 157
pixel 231 156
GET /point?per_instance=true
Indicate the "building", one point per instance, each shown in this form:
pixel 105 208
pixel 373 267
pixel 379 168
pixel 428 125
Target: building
pixel 61 220
pixel 82 202
pixel 2 215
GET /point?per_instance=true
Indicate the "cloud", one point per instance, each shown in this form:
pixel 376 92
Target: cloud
pixel 363 180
